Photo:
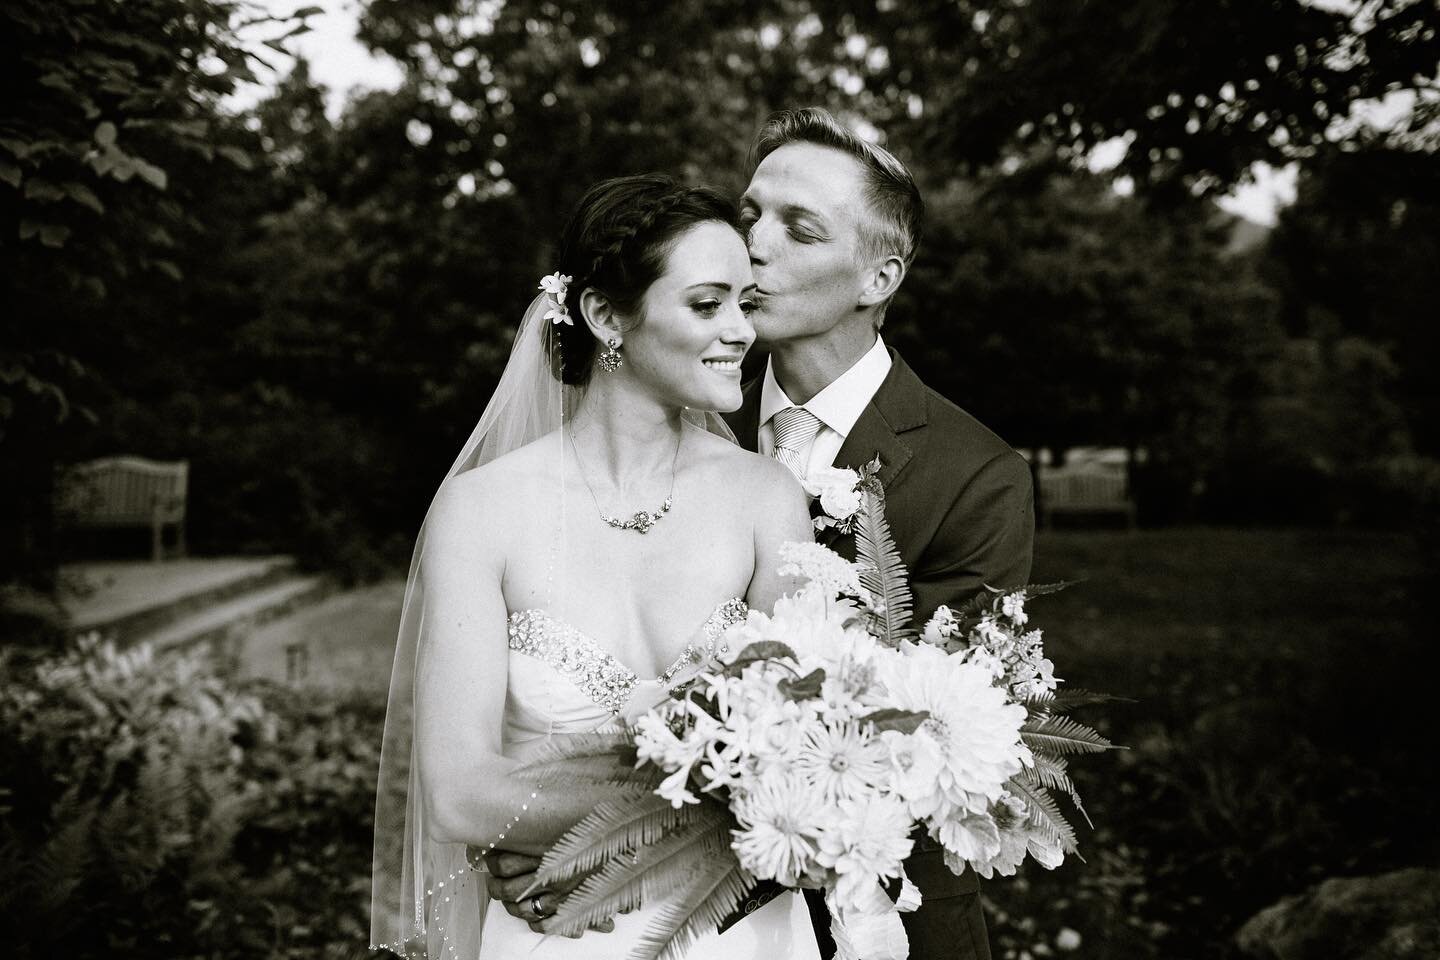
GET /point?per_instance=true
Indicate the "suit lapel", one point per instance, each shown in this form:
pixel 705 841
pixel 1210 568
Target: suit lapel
pixel 897 408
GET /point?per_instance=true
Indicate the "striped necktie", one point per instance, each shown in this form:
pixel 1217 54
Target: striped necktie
pixel 795 428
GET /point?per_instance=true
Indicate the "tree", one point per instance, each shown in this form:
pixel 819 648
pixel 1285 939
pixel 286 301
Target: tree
pixel 106 101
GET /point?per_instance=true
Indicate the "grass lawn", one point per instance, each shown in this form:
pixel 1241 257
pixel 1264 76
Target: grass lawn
pixel 1274 735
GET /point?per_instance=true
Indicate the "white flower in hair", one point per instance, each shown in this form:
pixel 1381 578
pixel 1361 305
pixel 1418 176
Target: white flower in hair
pixel 557 287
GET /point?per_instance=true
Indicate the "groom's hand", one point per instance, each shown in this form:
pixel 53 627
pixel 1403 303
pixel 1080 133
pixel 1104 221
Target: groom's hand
pixel 512 874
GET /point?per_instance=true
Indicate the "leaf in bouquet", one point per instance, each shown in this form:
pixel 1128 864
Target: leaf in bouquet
pixel 584 745
pixel 977 606
pixel 892 718
pixel 1044 814
pixel 803 688
pixel 648 873
pixel 612 828
pixel 882 572
pixel 710 894
pixel 1052 773
pixel 756 652
pixel 1064 701
pixel 1061 736
pixel 615 771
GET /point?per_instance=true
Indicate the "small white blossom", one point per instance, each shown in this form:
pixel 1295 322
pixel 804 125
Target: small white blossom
pixel 941 626
pixel 1013 606
pixel 827 572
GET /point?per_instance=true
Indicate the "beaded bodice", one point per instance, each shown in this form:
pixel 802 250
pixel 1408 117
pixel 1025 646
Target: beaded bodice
pixel 596 671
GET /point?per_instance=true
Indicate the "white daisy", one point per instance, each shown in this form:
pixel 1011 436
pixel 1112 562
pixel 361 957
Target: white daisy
pixel 842 761
pixel 778 816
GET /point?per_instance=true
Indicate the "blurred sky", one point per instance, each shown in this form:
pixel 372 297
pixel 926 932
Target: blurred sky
pixel 342 64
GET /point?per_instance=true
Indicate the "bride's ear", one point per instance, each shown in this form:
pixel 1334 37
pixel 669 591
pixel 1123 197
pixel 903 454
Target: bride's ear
pixel 599 315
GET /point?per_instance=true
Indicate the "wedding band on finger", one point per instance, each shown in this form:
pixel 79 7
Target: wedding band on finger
pixel 535 907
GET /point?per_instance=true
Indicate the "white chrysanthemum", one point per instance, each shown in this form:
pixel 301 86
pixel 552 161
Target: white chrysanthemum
pixel 821 630
pixel 914 765
pixel 842 761
pixel 827 571
pixel 779 817
pixel 866 843
pixel 975 728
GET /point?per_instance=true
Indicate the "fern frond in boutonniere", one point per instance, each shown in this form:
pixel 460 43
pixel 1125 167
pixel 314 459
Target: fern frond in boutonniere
pixel 882 572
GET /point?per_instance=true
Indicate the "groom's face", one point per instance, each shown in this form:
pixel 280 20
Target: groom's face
pixel 802 214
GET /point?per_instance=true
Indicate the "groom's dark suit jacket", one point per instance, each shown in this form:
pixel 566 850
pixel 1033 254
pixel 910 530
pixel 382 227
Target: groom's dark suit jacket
pixel 961 507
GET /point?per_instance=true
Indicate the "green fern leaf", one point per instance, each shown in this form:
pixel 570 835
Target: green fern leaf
pixel 710 894
pixel 882 572
pixel 1049 773
pixel 1044 814
pixel 613 828
pixel 649 873
pixel 1059 736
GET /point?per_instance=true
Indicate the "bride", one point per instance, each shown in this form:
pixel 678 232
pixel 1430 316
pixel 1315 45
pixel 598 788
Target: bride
pixel 589 546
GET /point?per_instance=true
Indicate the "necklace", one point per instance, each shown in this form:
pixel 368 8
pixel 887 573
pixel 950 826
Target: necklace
pixel 641 520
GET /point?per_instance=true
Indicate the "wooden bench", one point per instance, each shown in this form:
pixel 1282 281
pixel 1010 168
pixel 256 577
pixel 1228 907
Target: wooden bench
pixel 1079 492
pixel 127 492
pixel 1091 481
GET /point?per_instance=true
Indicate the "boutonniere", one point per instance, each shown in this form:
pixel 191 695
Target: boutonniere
pixel 840 494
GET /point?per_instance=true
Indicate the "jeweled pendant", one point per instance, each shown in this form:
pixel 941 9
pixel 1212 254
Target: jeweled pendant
pixel 641 521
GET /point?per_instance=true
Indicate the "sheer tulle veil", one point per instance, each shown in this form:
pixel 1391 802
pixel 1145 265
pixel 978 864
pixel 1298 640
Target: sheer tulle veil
pixel 425 900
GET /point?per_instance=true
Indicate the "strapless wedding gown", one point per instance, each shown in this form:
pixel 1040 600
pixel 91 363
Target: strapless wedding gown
pixel 562 681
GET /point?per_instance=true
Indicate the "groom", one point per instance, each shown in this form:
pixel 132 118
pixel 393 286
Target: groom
pixel 833 223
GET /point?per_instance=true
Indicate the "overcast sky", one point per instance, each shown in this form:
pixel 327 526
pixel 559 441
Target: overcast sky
pixel 341 63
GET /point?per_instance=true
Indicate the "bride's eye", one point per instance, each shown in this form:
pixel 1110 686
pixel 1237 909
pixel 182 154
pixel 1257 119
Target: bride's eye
pixel 748 306
pixel 706 308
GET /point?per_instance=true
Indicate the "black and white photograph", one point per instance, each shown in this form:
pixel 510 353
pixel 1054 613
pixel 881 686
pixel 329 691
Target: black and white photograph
pixel 719 479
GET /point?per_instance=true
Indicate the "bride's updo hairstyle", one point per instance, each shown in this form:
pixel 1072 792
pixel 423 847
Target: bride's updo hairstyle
pixel 617 241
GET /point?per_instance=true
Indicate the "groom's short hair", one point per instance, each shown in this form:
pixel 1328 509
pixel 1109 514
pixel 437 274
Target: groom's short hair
pixel 894 199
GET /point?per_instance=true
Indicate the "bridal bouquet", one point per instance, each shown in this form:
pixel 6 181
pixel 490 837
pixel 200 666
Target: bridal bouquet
pixel 811 751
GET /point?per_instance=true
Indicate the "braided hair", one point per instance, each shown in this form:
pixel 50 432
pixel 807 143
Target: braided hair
pixel 617 241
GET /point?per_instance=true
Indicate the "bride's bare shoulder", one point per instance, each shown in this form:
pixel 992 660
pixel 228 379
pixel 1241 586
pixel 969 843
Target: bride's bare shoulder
pixel 501 487
pixel 753 478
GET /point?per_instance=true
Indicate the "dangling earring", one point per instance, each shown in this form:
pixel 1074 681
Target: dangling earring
pixel 610 358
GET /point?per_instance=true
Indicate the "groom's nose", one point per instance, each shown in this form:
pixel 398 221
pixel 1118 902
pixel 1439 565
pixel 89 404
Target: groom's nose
pixel 757 243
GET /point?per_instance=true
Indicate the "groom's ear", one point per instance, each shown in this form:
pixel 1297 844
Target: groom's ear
pixel 599 315
pixel 883 281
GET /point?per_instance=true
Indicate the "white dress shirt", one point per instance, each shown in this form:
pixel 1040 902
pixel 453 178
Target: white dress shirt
pixel 837 407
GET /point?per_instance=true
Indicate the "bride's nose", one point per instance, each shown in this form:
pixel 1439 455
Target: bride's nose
pixel 740 330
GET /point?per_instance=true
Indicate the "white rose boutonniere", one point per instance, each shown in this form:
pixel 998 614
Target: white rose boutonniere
pixel 841 493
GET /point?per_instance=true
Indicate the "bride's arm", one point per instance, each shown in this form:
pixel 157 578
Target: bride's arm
pixel 470 793
pixel 781 513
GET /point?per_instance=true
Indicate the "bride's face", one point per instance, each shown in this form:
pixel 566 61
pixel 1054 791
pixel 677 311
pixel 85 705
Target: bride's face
pixel 696 324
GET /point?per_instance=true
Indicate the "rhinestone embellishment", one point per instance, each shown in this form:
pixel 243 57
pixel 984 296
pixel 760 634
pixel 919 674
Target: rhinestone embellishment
pixel 602 677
